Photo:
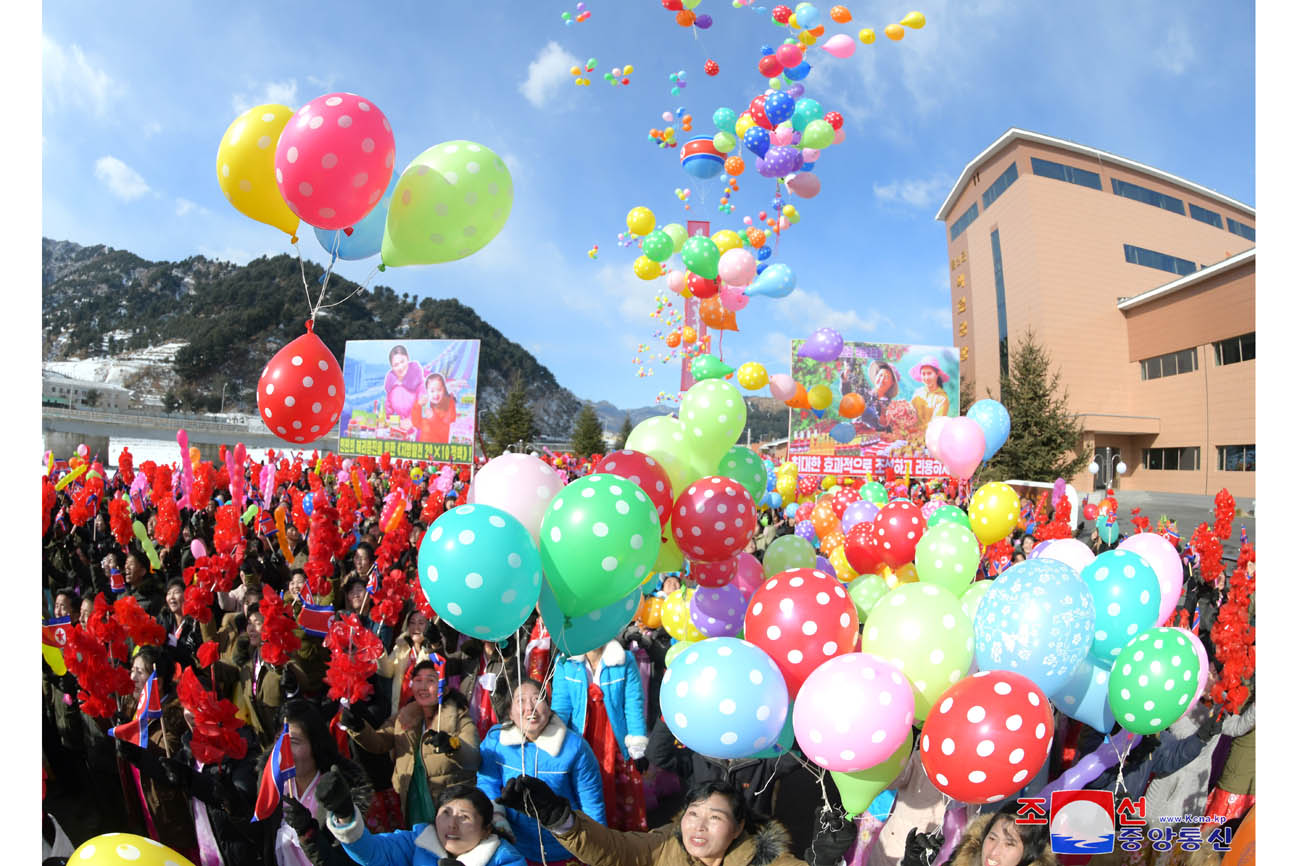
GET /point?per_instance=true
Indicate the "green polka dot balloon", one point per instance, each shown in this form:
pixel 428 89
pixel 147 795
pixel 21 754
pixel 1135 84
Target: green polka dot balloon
pixel 922 631
pixel 970 599
pixel 449 203
pixel 600 536
pixel 743 465
pixel 874 491
pixel 948 555
pixel 712 414
pixel 865 591
pixel 786 553
pixel 1153 680
pixel 949 514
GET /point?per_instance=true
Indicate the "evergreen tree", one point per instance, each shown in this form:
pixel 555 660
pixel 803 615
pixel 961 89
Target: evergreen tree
pixel 621 442
pixel 1046 440
pixel 511 424
pixel 588 434
pixel 966 395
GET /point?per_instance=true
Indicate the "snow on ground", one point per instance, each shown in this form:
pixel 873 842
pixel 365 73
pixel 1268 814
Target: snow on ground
pixel 116 370
pixel 164 451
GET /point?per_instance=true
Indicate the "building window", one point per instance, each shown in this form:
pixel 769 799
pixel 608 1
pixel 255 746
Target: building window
pixel 1000 185
pixel 1166 459
pixel 1247 232
pixel 1236 458
pixel 964 220
pixel 1146 196
pixel 1160 261
pixel 1235 350
pixel 1004 357
pixel 1067 173
pixel 1205 216
pixel 1171 364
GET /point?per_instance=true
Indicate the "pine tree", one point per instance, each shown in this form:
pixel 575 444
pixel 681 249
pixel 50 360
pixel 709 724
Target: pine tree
pixel 1046 440
pixel 621 442
pixel 511 424
pixel 588 434
pixel 966 394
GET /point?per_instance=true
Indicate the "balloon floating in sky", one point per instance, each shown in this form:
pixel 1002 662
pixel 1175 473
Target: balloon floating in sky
pixel 825 344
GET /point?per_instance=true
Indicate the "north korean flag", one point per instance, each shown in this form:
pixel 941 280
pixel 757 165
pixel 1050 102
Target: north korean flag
pixel 149 708
pixel 279 769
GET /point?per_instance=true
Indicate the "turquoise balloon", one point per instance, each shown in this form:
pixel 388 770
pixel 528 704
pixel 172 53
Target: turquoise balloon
pixel 725 120
pixel 575 635
pixel 806 110
pixel 1126 595
pixel 1108 533
pixel 480 571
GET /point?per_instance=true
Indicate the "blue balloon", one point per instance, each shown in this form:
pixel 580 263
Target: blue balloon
pixel 994 420
pixel 1126 596
pixel 843 432
pixel 791 510
pixel 778 107
pixel 367 236
pixel 775 281
pixel 575 635
pixel 766 50
pixel 724 698
pixel 809 16
pixel 1036 620
pixel 1085 696
pixel 757 140
pixel 764 253
pixel 480 571
pixel 762 266
pixel 309 504
pixel 800 72
pixel 784 742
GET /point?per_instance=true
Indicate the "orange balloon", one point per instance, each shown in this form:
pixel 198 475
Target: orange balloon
pixel 688 335
pixel 817 31
pixel 824 520
pixel 831 542
pixel 674 340
pixel 713 314
pixel 686 18
pixel 757 237
pixel 800 398
pixel 841 15
pixel 650 614
pixel 686 123
pixel 894 31
pixel 734 165
pixel 852 405
pixel 1242 852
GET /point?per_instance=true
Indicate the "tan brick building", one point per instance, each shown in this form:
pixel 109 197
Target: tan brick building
pixel 1141 285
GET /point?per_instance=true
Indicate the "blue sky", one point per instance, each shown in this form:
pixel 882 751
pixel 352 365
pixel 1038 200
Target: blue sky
pixel 136 97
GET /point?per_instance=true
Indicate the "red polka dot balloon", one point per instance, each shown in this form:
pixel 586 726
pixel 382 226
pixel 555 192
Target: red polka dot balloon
pixel 898 529
pixel 713 519
pixel 841 499
pixel 300 393
pixel 714 574
pixel 645 472
pixel 988 735
pixel 801 618
pixel 334 159
pixel 806 486
pixel 860 549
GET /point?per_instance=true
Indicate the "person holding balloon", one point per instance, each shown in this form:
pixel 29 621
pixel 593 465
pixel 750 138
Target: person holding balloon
pixel 930 400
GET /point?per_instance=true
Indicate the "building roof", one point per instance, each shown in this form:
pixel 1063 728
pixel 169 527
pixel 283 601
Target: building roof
pixel 55 376
pixel 1091 153
pixel 1241 258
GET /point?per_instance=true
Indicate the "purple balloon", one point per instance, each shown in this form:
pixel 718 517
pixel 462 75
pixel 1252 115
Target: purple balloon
pixel 861 511
pixel 1092 765
pixel 704 22
pixel 783 159
pixel 718 612
pixel 804 529
pixel 825 344
pixel 824 564
pixel 795 90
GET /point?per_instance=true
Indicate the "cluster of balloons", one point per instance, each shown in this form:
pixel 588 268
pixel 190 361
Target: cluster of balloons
pixel 963 443
pixel 685 14
pixel 583 14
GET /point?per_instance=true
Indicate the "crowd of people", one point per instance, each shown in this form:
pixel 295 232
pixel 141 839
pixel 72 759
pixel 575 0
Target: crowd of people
pixel 198 659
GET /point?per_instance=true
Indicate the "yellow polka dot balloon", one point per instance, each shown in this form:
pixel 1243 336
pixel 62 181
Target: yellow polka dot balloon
pixel 828 482
pixel 120 849
pixel 994 511
pixel 725 240
pixel 676 616
pixel 751 376
pixel 898 576
pixel 246 166
pixel 840 562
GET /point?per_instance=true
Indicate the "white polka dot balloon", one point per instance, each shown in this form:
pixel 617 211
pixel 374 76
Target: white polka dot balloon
pixel 713 519
pixel 718 611
pixel 125 849
pixel 713 415
pixel 246 166
pixel 724 698
pixel 987 738
pixel 1154 680
pixel 520 485
pixel 853 712
pixel 801 618
pixel 1126 597
pixel 300 392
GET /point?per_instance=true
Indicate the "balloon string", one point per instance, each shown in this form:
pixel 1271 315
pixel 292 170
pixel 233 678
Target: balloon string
pixel 1119 772
pixel 325 280
pixel 302 269
pixel 359 289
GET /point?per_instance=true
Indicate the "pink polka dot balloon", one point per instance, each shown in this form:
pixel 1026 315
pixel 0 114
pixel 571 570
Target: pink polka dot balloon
pixel 713 519
pixel 988 736
pixel 334 160
pixel 300 393
pixel 853 712
pixel 801 618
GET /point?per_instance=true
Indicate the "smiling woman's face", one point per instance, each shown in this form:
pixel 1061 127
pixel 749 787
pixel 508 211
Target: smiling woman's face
pixel 709 827
pixel 399 363
pixel 459 827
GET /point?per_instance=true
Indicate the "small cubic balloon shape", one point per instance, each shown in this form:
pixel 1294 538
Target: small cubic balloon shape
pixel 1071 551
pixel 599 539
pixel 989 735
pixel 1126 597
pixel 246 166
pixel 334 159
pixel 994 422
pixel 713 574
pixel 743 465
pixel 1153 680
pixel 1036 620
pixel 480 571
pixel 114 849
pixel 713 415
pixel 724 698
pixel 801 618
pixel 718 612
pixel 520 485
pixel 575 635
pixel 994 512
pixel 920 629
pixel 300 391
pixel 1086 696
pixel 825 344
pixel 948 556
pixel 898 529
pixel 645 472
pixel 853 712
pixel 1161 556
pixel 786 553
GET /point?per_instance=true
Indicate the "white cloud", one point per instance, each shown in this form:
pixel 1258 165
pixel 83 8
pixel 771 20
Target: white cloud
pixel 805 311
pixel 70 80
pixel 1177 53
pixel 185 206
pixel 121 180
pixel 273 92
pixel 547 74
pixel 914 192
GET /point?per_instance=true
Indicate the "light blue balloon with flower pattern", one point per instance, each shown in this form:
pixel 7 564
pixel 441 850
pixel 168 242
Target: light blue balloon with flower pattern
pixel 1036 620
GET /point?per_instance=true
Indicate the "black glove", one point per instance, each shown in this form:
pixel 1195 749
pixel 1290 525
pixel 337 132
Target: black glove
pixel 1210 728
pixel 297 816
pixel 289 682
pixel 353 719
pixel 642 764
pixel 333 793
pixel 449 861
pixel 178 775
pixel 441 742
pixel 921 849
pixel 243 653
pixel 828 847
pixel 532 796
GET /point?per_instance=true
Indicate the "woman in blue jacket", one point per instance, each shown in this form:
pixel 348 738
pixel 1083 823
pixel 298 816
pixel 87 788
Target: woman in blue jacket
pixel 599 696
pixel 461 831
pixel 536 743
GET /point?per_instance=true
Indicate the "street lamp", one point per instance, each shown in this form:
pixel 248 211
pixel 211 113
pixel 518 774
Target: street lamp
pixel 223 397
pixel 1121 467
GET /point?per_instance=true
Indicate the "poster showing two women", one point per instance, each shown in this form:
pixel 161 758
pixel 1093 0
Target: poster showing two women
pixel 414 399
pixel 902 387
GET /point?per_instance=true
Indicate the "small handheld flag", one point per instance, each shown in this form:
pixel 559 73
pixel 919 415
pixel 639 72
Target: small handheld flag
pixel 149 708
pixel 315 618
pixel 279 769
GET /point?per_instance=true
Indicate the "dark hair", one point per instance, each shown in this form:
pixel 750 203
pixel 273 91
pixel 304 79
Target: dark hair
pixel 740 810
pixel 141 560
pixel 437 376
pixel 397 350
pixel 427 664
pixel 1033 837
pixel 367 547
pixel 296 571
pixel 175 581
pixel 324 750
pixel 162 660
pixel 70 593
pixel 475 797
pixel 253 607
pixel 352 583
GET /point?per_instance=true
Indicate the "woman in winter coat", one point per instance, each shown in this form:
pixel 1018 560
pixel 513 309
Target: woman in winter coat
pixel 432 741
pixel 460 833
pixel 599 696
pixel 410 648
pixel 484 683
pixel 715 829
pixel 997 839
